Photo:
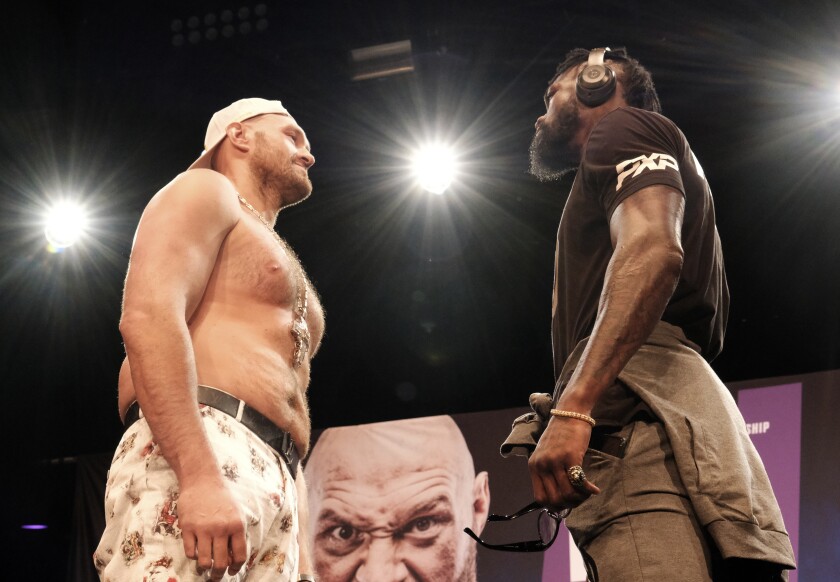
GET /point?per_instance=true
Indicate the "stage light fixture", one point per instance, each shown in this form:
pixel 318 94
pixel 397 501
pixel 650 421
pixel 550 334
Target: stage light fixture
pixel 65 224
pixel 435 167
pixel 225 24
pixel 381 60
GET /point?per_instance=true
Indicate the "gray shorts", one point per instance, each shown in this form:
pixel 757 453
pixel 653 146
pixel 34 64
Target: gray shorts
pixel 642 526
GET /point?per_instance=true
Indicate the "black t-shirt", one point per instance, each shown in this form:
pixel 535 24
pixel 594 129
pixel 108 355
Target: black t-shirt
pixel 628 150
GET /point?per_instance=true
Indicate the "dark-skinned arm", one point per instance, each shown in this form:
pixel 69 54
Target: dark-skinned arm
pixel 640 279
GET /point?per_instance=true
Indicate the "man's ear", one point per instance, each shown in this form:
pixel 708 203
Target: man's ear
pixel 239 136
pixel 481 501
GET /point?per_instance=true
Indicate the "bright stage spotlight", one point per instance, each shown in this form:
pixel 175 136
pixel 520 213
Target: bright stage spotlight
pixel 435 167
pixel 65 224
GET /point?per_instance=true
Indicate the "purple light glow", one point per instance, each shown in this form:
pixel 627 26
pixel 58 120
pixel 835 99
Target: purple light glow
pixel 34 526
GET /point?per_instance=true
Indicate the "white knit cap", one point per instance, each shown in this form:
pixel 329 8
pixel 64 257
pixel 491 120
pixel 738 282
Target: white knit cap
pixel 237 111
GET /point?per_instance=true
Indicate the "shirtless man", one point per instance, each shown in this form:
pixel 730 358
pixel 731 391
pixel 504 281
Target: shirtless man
pixel 220 324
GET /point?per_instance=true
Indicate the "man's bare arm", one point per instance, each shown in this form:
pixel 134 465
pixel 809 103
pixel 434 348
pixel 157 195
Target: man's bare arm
pixel 174 253
pixel 640 279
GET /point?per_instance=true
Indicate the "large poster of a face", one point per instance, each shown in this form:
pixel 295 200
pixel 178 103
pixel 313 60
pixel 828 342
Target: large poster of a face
pixel 389 501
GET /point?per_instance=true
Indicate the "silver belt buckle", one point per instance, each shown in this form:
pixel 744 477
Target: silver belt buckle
pixel 286 447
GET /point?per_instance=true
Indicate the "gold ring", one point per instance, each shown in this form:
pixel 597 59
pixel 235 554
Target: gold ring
pixel 576 476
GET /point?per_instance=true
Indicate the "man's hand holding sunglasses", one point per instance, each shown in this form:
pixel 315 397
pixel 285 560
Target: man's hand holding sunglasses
pixel 555 465
pixel 558 480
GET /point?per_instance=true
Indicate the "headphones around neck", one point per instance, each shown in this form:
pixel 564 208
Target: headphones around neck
pixel 596 82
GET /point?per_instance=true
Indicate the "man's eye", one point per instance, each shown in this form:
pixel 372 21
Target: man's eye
pixel 424 528
pixel 343 532
pixel 340 540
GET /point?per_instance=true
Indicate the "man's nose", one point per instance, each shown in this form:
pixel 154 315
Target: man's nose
pixel 381 563
pixel 307 159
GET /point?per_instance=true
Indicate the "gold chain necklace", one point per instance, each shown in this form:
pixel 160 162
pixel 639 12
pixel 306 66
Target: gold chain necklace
pixel 300 329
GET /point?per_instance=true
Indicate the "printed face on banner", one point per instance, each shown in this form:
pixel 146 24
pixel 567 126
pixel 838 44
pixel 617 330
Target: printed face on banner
pixel 389 502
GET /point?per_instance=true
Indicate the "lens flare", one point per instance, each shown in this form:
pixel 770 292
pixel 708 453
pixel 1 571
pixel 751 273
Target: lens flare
pixel 435 168
pixel 65 224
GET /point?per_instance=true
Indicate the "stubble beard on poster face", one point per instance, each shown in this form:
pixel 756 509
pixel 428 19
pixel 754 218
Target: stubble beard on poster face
pixel 454 561
pixel 468 574
pixel 551 154
pixel 276 177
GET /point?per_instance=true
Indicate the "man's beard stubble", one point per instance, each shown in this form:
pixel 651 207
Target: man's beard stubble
pixel 551 152
pixel 276 177
pixel 469 573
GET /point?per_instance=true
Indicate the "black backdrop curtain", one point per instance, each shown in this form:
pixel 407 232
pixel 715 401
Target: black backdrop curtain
pixel 88 515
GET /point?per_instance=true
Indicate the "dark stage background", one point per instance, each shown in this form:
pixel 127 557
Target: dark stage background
pixel 435 304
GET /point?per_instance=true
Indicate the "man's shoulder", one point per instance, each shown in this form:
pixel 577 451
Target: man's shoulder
pixel 625 130
pixel 201 194
pixel 201 181
pixel 201 186
pixel 632 116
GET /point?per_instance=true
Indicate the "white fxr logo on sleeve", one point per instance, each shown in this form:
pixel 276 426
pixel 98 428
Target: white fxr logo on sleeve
pixel 642 163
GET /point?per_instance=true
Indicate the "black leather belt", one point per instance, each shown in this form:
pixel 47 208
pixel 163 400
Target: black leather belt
pixel 279 440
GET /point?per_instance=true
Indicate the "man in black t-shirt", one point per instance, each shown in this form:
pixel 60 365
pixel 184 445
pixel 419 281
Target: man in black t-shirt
pixel 639 278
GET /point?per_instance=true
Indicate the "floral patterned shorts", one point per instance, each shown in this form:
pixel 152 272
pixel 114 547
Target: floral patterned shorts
pixel 142 540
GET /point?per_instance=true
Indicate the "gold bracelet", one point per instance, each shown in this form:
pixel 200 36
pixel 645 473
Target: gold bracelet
pixel 570 414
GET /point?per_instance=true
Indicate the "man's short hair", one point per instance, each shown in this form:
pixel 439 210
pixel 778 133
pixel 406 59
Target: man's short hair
pixel 638 84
